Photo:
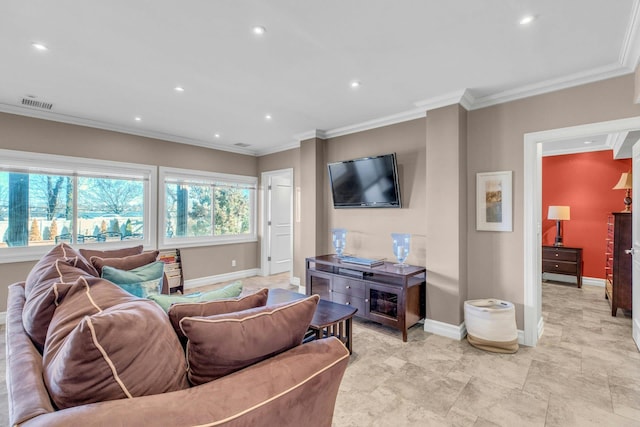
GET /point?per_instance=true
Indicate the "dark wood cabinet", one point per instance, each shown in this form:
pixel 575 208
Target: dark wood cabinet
pixel 563 260
pixel 392 296
pixel 618 261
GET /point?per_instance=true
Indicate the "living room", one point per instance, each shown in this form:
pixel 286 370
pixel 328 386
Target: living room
pixel 440 145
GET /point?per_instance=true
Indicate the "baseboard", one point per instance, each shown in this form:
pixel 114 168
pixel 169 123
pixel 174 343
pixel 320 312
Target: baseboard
pixel 636 333
pixel 540 327
pixel 459 332
pixel 445 329
pixel 3 318
pixel 295 281
pixel 590 281
pixel 212 280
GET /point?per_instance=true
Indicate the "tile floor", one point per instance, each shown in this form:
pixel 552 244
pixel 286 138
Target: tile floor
pixel 585 371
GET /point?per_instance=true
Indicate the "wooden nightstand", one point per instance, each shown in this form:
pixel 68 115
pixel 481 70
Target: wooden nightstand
pixel 563 260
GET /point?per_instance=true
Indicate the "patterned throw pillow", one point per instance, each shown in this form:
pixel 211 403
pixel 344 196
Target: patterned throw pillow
pixel 232 290
pixel 141 282
pixel 222 344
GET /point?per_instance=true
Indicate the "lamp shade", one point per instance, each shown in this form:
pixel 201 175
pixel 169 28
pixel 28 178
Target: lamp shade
pixel 559 212
pixel 626 180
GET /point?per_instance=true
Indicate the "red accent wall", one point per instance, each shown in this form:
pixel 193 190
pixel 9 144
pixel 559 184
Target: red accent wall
pixel 584 182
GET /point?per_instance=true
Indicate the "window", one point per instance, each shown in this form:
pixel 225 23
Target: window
pixel 205 208
pixel 47 199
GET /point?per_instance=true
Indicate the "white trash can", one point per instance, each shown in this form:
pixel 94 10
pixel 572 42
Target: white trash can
pixel 491 325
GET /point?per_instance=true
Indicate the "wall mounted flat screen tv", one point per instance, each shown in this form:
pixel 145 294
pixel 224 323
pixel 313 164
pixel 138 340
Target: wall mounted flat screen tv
pixel 370 182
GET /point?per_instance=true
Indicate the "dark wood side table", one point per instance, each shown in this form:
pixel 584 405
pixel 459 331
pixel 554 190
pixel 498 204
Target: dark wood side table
pixel 330 319
pixel 563 260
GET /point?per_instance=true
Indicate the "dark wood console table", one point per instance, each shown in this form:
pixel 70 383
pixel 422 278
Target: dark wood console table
pixel 392 296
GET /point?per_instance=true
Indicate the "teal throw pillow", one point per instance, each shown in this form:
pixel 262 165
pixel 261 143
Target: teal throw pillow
pixel 141 282
pixel 232 290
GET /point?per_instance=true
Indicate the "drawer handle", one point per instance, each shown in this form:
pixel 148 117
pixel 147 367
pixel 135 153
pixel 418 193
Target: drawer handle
pixel 330 290
pixel 348 287
pixel 556 265
pixel 556 254
pixel 347 303
pixel 366 300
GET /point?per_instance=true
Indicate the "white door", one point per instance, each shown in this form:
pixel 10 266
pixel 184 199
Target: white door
pixel 279 222
pixel 635 230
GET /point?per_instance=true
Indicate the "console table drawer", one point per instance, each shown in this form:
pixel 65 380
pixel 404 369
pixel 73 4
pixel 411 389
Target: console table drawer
pixel 349 287
pixel 559 267
pixel 353 301
pixel 559 254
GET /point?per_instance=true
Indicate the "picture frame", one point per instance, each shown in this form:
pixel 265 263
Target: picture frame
pixel 494 201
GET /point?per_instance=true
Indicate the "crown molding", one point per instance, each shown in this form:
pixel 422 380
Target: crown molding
pixel 279 148
pixel 405 116
pixel 79 121
pixel 615 141
pixel 563 151
pixel 552 85
pixel 630 50
pixel 316 133
pixel 462 97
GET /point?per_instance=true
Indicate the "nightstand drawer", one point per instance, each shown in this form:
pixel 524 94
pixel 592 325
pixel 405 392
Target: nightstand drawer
pixel 559 254
pixel 560 267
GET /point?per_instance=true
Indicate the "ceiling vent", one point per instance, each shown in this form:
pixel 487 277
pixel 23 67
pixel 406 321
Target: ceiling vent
pixel 241 145
pixel 36 104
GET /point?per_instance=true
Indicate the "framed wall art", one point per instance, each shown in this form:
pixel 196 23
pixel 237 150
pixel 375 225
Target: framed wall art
pixel 494 201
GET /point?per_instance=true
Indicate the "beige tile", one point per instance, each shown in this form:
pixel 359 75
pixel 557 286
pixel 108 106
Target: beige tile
pixel 565 411
pixel 501 405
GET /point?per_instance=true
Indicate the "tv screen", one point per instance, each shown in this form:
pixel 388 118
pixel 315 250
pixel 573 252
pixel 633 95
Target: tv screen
pixel 370 182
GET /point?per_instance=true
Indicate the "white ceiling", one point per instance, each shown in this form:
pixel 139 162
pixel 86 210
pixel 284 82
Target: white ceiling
pixel 110 61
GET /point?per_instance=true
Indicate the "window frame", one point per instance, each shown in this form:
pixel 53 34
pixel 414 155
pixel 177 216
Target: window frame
pixel 83 167
pixel 204 177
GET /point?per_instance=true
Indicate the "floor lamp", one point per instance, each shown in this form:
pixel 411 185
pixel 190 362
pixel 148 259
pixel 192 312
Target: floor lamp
pixel 559 214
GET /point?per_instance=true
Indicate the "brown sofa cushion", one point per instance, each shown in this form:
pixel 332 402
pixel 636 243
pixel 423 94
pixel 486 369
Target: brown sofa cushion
pixel 49 288
pixel 222 344
pixel 63 252
pixel 124 263
pixel 106 344
pixel 211 308
pixel 112 253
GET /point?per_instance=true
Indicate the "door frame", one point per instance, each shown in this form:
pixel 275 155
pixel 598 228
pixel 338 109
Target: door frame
pixel 265 206
pixel 533 322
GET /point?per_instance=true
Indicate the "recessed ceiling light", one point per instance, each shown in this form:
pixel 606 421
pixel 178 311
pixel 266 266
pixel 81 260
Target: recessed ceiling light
pixel 527 19
pixel 178 89
pixel 267 116
pixel 137 119
pixel 355 84
pixel 39 46
pixel 258 30
pixel 216 135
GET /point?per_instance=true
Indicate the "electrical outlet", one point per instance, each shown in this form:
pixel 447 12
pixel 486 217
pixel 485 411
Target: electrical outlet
pixel 233 263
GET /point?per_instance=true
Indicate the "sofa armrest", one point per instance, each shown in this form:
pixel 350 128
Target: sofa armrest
pixel 297 387
pixel 28 396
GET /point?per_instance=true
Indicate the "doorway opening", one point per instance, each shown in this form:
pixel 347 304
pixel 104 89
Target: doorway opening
pixel 277 229
pixel 533 322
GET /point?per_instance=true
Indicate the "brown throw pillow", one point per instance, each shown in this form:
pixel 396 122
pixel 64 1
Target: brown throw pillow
pixel 211 308
pixel 63 252
pixel 222 344
pixel 106 344
pixel 125 263
pixel 46 293
pixel 113 253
